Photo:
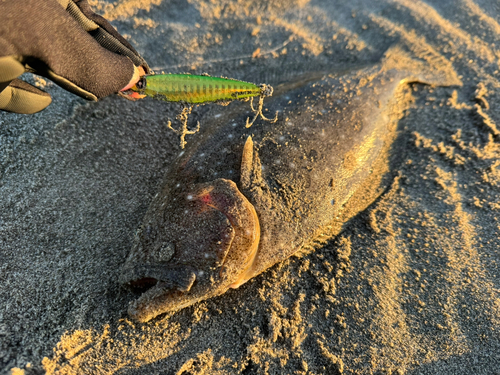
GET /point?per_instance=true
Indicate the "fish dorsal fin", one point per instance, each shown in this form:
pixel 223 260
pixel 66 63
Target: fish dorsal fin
pixel 247 164
pixel 251 169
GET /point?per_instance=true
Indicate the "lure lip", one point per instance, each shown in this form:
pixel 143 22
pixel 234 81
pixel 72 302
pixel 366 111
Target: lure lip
pixel 131 95
pixel 135 92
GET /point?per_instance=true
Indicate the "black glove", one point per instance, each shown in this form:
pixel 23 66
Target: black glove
pixel 66 42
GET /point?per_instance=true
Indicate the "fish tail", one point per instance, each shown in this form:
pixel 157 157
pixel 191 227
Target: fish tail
pixel 421 63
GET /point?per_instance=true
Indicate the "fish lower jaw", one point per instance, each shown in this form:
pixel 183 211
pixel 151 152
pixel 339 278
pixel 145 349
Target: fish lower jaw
pixel 149 304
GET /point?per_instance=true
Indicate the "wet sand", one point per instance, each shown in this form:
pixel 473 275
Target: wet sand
pixel 410 286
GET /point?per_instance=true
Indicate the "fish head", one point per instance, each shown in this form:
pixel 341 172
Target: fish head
pixel 195 243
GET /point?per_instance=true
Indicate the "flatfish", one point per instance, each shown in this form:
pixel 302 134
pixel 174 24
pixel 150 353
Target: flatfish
pixel 238 200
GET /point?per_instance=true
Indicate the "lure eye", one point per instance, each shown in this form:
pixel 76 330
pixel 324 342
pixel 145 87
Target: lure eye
pixel 141 84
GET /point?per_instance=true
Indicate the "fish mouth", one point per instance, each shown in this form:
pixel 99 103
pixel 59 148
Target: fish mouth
pixel 159 285
pixel 164 288
pixel 146 276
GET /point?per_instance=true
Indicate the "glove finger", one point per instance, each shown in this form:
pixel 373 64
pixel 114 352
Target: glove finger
pixel 105 34
pixel 10 69
pixel 21 97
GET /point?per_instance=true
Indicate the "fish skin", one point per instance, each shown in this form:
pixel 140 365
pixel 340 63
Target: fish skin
pixel 321 163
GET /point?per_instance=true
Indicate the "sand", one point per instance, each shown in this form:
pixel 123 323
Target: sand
pixel 410 286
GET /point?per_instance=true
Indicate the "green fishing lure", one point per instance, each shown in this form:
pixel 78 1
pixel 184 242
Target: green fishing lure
pixel 191 90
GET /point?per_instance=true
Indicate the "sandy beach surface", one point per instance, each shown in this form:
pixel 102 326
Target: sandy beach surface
pixel 410 286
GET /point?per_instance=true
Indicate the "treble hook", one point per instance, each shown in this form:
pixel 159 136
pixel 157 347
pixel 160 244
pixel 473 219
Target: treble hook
pixel 183 118
pixel 265 90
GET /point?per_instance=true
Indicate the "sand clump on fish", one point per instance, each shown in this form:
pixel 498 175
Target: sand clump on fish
pixel 238 200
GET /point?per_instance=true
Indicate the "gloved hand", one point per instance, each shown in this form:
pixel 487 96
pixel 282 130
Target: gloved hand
pixel 66 42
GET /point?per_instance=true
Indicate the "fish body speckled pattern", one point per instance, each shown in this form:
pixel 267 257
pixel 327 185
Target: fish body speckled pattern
pixel 237 200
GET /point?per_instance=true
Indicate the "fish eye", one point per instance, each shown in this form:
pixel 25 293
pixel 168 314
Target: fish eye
pixel 165 252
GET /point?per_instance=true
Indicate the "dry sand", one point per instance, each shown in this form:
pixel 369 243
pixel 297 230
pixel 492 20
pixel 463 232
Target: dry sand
pixel 411 286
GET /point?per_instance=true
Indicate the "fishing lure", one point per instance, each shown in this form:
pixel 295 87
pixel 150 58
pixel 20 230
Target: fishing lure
pixel 190 90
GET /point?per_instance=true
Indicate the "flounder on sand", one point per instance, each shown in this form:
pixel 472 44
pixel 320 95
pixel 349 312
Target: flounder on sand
pixel 237 201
